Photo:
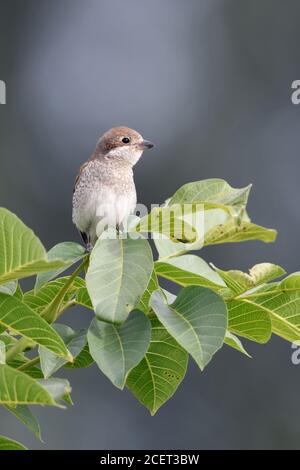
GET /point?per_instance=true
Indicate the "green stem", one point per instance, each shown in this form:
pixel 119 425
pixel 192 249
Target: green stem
pixel 244 296
pixel 268 292
pixel 51 312
pixel 30 363
pixel 17 348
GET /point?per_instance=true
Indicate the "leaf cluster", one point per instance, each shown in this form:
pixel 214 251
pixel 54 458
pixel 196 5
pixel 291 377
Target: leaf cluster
pixel 140 336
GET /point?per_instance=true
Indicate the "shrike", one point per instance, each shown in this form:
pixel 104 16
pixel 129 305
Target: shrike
pixel 104 193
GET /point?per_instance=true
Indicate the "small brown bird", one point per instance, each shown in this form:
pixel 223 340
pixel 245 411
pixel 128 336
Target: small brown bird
pixel 104 193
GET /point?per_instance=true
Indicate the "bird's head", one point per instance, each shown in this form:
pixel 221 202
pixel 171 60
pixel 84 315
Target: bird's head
pixel 122 143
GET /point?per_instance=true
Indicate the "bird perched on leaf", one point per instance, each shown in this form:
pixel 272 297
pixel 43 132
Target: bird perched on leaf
pixel 104 192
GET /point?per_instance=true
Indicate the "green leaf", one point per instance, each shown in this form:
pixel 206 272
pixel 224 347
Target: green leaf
pixel 2 328
pixel 21 252
pixel 187 270
pixel 24 414
pixel 235 343
pixel 197 320
pixel 9 288
pixel 212 193
pixel 170 297
pixel 84 359
pixel 19 293
pixel 31 370
pixel 156 378
pixel 57 388
pixel 118 275
pixel 248 320
pixel 39 300
pixel 215 227
pixel 282 304
pixel 10 444
pixel 17 316
pixel 83 298
pixel 17 388
pixel 167 221
pixel 2 352
pixel 205 221
pixel 10 341
pixel 69 253
pixel 67 399
pixel 75 341
pixel 239 282
pixel 232 231
pixel 56 306
pixel 117 349
pixel 144 302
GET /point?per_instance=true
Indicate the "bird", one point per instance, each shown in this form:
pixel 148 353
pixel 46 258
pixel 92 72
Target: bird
pixel 104 193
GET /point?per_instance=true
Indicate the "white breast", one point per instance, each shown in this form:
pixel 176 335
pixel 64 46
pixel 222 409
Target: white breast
pixel 112 209
pixel 104 196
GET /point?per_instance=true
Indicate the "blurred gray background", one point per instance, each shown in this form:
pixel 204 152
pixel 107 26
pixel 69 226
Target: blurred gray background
pixel 209 81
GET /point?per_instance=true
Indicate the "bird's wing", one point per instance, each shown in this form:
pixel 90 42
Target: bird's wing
pixel 79 174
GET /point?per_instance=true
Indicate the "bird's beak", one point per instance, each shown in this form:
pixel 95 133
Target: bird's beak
pixel 146 144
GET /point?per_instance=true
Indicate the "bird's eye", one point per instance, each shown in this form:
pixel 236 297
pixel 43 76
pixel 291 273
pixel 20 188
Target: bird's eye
pixel 125 140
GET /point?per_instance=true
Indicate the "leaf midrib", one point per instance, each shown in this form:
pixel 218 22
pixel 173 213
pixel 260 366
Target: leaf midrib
pixel 193 331
pixel 4 278
pixel 122 352
pixel 272 313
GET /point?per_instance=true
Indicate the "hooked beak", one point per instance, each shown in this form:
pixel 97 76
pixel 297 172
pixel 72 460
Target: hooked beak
pixel 146 144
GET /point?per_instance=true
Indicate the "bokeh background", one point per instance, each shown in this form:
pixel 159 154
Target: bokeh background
pixel 209 81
